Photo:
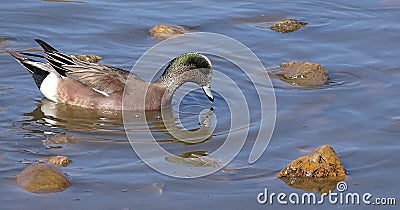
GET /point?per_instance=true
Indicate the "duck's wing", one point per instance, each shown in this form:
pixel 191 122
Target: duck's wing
pixel 103 78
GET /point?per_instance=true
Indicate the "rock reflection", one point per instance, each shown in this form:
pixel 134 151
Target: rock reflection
pixel 317 185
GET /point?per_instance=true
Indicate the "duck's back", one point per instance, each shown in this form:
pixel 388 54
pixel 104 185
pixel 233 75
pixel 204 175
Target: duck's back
pixel 104 78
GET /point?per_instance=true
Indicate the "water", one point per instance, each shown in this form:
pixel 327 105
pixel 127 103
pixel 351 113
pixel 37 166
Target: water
pixel 357 113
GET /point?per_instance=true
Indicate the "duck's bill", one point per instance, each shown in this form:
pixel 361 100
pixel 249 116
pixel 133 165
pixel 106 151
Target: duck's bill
pixel 207 91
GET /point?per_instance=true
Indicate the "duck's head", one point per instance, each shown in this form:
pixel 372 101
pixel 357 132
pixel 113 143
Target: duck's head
pixel 188 67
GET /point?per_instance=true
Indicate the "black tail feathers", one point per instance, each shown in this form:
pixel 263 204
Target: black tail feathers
pixel 37 69
pixel 46 47
pixel 40 70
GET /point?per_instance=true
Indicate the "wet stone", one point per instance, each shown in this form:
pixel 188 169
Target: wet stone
pixel 319 171
pixel 322 163
pixel 72 1
pixel 287 25
pixel 4 42
pixel 194 159
pixel 59 160
pixel 156 188
pixel 56 141
pixel 302 73
pixel 164 31
pixel 24 162
pixel 42 178
pixel 87 58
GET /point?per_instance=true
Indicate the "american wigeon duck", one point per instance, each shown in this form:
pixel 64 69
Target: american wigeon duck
pixel 65 79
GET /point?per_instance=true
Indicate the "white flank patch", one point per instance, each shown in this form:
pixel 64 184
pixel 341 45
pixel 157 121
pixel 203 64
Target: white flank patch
pixel 101 92
pixel 49 86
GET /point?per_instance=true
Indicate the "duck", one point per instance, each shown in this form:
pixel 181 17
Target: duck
pixel 62 78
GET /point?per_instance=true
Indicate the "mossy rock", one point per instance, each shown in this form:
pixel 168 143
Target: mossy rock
pixel 87 58
pixel 43 178
pixel 287 25
pixel 164 31
pixel 59 160
pixel 302 73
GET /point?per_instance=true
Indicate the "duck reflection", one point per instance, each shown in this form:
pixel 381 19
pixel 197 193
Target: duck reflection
pixel 74 118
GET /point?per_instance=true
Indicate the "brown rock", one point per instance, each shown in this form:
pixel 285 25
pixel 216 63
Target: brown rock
pixel 55 141
pixel 43 178
pixel 63 161
pixel 318 172
pixel 4 42
pixel 87 58
pixel 287 25
pixel 194 159
pixel 302 73
pixel 322 163
pixel 163 31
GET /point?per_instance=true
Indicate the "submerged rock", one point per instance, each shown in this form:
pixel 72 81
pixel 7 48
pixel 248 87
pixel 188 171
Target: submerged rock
pixel 56 141
pixel 4 42
pixel 287 25
pixel 318 172
pixel 72 1
pixel 43 178
pixel 87 58
pixel 63 161
pixel 302 73
pixel 156 188
pixel 194 159
pixel 164 31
